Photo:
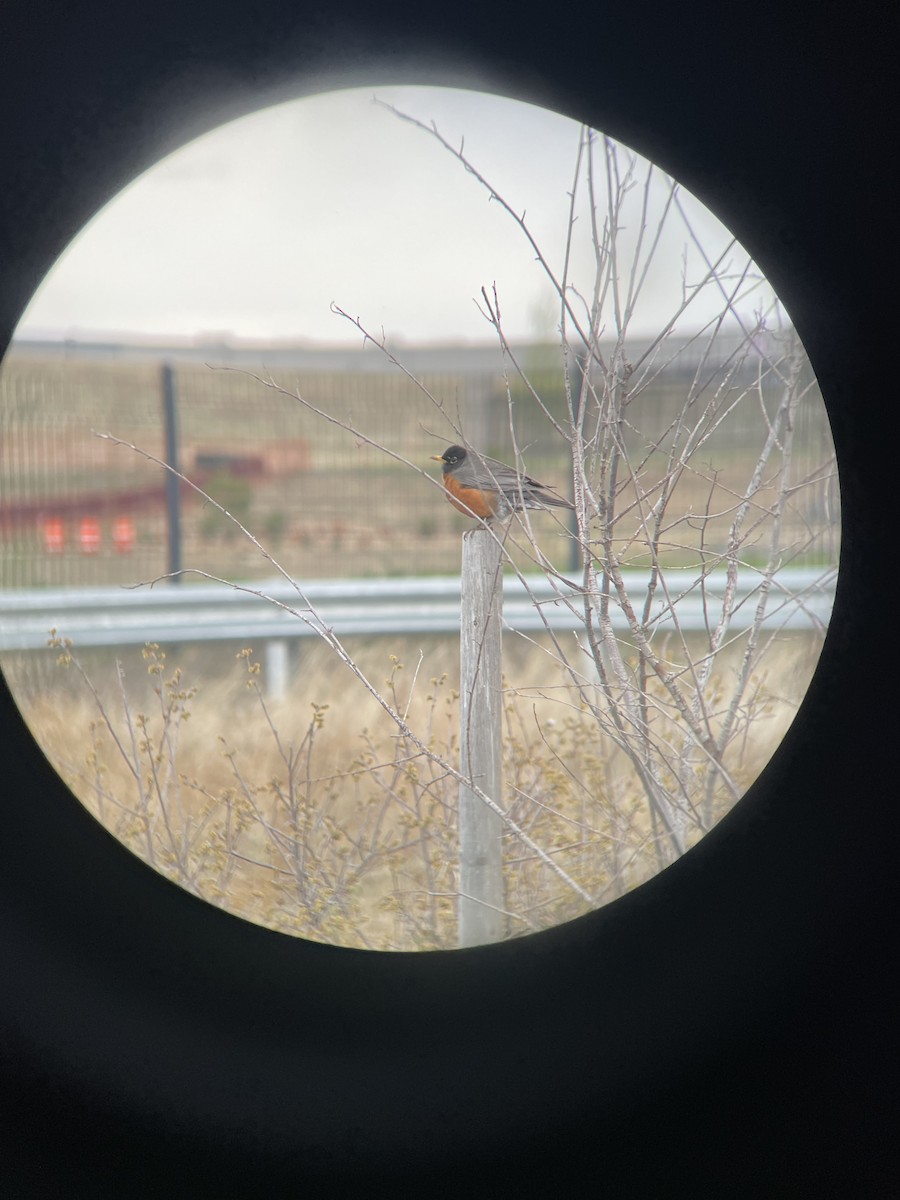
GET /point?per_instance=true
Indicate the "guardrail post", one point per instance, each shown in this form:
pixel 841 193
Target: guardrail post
pixel 277 660
pixel 480 915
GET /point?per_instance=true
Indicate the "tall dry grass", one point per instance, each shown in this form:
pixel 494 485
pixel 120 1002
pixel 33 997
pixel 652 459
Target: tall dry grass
pixel 311 815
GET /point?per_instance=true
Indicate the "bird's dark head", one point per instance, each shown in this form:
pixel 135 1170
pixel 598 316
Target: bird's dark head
pixel 451 457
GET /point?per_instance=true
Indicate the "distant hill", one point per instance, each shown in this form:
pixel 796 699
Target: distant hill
pixel 434 359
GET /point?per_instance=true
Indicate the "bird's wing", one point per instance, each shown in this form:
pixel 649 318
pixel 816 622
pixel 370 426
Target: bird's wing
pixel 507 476
pixel 514 484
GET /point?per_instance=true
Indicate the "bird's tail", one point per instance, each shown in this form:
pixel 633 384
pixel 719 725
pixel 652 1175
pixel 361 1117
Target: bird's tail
pixel 555 501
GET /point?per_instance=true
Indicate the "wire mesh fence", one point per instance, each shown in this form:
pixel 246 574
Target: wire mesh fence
pixel 81 510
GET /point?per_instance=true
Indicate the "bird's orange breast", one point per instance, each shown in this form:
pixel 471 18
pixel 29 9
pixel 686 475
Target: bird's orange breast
pixel 472 501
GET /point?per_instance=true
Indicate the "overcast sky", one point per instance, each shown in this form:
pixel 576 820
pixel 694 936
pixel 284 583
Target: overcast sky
pixel 256 228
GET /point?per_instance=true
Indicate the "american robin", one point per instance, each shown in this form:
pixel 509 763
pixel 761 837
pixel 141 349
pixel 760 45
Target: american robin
pixel 484 488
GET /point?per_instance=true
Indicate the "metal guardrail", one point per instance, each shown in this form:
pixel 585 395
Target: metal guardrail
pixel 800 598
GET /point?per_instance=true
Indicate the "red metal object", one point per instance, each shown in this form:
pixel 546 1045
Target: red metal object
pixel 89 535
pixel 123 535
pixel 54 535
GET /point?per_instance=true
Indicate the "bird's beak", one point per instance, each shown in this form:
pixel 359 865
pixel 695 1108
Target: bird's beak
pixel 437 457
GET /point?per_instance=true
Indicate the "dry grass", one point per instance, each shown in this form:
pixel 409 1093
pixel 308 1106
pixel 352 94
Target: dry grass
pixel 312 816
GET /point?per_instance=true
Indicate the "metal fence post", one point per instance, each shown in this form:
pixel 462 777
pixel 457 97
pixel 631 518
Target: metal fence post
pixel 480 914
pixel 173 483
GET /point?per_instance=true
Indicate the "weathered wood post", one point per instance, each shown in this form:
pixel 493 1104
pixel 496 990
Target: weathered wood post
pixel 480 916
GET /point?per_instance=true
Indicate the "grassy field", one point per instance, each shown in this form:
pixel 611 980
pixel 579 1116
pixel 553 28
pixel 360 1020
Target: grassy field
pixel 310 815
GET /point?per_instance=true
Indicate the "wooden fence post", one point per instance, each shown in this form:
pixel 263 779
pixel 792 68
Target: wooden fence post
pixel 480 916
